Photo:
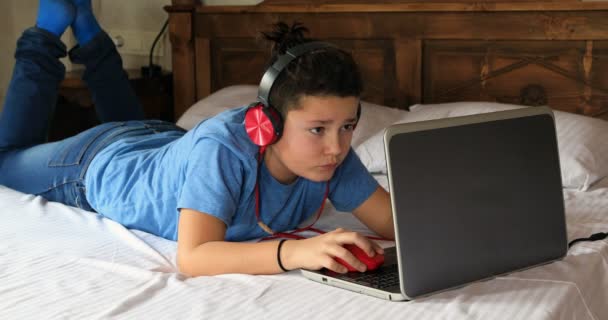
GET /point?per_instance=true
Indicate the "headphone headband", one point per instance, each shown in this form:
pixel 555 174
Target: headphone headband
pixel 283 60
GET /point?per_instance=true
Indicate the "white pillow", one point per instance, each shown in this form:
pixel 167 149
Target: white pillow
pixel 221 100
pixel 374 117
pixel 583 150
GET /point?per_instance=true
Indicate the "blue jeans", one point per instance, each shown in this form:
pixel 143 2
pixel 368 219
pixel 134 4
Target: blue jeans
pixel 56 170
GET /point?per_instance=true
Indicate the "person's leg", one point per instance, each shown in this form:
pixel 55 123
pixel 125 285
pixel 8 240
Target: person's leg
pixel 85 27
pixel 32 92
pixel 25 160
pixel 55 16
pixel 113 96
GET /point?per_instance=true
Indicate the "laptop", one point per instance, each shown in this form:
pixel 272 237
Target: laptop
pixel 472 197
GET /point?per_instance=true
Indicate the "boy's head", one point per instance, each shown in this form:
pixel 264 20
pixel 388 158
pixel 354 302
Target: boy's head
pixel 328 71
pixel 317 95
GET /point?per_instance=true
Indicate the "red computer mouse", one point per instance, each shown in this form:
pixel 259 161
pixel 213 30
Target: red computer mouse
pixel 372 263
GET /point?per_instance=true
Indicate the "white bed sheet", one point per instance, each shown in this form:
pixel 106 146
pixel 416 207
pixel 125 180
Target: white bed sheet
pixel 59 262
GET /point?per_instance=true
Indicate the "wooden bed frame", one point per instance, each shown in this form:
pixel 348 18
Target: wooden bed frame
pixel 533 53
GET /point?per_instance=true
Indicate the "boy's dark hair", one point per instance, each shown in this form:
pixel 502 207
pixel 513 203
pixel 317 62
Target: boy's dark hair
pixel 324 72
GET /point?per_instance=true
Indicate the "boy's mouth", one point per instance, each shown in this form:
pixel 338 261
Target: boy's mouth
pixel 329 166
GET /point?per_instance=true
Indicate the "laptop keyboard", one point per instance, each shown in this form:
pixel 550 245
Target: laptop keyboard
pixel 382 278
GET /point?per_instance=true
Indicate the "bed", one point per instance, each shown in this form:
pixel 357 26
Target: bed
pixel 65 263
pixel 60 262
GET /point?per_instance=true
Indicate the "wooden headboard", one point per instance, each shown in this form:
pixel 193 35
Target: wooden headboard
pixel 533 53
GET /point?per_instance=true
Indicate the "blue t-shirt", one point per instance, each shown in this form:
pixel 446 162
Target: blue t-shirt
pixel 143 181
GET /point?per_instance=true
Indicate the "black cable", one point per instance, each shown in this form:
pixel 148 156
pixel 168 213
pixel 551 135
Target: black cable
pixel 593 237
pixel 162 30
pixel 152 69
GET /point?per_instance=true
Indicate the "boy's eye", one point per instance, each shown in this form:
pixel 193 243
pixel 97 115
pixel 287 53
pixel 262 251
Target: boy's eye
pixel 317 130
pixel 349 127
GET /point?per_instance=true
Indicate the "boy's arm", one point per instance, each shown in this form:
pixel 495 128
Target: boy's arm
pixel 201 250
pixel 376 213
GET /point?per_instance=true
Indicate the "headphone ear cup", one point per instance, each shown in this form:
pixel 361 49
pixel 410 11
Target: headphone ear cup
pixel 276 119
pixel 259 126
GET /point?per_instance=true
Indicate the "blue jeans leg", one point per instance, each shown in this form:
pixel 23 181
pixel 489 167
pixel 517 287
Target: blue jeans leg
pixel 113 96
pixel 56 170
pixel 32 92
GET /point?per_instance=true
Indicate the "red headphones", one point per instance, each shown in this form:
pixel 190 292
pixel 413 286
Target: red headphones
pixel 264 124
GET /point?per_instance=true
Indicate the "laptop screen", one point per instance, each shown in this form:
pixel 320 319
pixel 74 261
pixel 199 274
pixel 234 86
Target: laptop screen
pixel 475 200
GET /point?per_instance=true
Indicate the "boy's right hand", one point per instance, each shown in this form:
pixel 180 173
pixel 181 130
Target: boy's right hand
pixel 319 252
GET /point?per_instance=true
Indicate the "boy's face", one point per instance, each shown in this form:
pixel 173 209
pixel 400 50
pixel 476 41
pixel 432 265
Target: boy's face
pixel 316 138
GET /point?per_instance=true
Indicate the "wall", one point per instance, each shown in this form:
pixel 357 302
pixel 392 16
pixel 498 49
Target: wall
pixel 233 2
pixel 144 17
pixel 7 40
pixel 138 18
pixel 134 15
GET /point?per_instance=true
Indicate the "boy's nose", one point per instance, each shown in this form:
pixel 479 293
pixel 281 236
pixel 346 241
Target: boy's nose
pixel 333 145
